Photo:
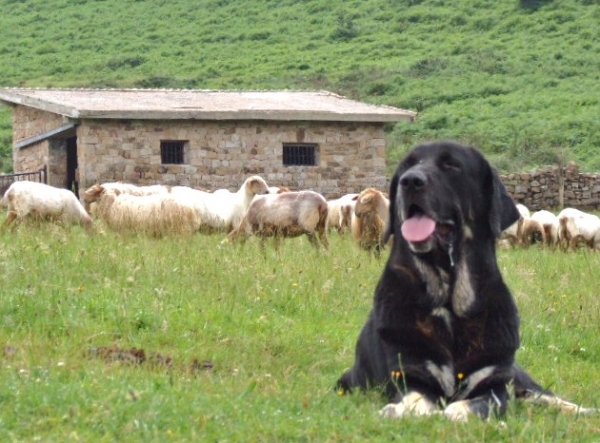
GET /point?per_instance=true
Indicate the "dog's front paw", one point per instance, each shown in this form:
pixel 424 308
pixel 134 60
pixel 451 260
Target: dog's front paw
pixel 393 410
pixel 458 411
pixel 413 403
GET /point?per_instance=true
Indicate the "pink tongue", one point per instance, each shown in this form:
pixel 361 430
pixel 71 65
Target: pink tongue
pixel 418 228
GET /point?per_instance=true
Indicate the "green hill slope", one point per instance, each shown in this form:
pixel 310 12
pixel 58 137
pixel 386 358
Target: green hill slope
pixel 519 79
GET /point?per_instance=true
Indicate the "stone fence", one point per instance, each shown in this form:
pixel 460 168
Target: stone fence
pixel 553 188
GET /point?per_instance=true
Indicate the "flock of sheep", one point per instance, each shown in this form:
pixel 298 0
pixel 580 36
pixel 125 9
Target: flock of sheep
pixel 259 210
pixel 570 229
pixel 254 210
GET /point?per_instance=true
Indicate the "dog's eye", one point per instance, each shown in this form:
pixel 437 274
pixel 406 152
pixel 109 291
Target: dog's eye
pixel 449 164
pixel 410 161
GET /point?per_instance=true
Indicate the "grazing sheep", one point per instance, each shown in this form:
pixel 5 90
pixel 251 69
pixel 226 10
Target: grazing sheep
pixel 122 188
pixel 278 189
pixel 549 222
pixel 26 199
pixel 513 234
pixel 154 214
pixel 290 214
pixel 532 231
pixel 369 220
pixel 577 227
pixel 232 206
pixel 340 212
pixel 223 210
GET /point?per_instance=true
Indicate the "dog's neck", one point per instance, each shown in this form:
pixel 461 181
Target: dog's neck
pixel 450 286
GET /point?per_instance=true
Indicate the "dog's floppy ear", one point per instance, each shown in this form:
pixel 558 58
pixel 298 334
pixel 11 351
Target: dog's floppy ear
pixel 503 211
pixel 393 214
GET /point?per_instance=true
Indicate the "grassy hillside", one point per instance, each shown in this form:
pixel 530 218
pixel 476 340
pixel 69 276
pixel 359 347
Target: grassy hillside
pixel 519 78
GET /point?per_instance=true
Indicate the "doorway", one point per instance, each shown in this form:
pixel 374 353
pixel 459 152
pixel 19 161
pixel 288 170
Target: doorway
pixel 72 182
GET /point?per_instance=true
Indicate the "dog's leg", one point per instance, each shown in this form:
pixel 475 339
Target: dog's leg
pixel 528 389
pixel 483 407
pixel 562 405
pixel 414 403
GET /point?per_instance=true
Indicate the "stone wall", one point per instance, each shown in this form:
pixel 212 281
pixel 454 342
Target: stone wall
pixel 350 156
pixel 27 123
pixel 543 189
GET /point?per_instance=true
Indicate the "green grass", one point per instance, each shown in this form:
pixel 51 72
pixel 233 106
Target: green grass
pixel 516 78
pixel 277 330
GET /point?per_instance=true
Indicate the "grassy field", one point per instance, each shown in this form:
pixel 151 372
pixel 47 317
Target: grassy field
pixel 241 347
pixel 516 78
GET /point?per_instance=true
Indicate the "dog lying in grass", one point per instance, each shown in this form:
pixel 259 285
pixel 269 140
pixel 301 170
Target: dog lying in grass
pixel 442 334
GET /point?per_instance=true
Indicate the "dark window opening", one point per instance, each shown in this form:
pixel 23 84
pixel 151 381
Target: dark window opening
pixel 299 154
pixel 171 152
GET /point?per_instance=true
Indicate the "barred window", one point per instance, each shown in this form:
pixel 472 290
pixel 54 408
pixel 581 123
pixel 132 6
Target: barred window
pixel 295 154
pixel 171 152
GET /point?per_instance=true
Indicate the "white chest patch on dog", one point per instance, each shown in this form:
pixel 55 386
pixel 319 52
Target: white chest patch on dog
pixel 436 283
pixel 463 296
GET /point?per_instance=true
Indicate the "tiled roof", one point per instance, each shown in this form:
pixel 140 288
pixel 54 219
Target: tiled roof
pixel 162 104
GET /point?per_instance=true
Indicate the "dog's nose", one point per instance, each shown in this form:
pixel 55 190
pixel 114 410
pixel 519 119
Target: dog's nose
pixel 413 180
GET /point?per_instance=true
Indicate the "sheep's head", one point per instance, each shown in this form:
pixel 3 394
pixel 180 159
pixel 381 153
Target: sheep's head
pixel 92 195
pixel 369 201
pixel 256 185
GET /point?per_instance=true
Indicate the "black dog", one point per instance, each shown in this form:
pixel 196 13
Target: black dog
pixel 444 328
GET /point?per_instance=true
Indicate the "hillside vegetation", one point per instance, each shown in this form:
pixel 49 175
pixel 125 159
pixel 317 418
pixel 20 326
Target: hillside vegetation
pixel 518 78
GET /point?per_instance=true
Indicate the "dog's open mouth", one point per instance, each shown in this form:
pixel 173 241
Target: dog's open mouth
pixel 418 228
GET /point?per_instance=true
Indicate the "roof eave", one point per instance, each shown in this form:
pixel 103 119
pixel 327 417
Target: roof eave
pixel 246 115
pixel 18 99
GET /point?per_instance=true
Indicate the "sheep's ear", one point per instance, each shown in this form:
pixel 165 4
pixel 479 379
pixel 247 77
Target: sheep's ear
pixel 367 198
pixel 392 218
pixel 503 211
pixel 94 190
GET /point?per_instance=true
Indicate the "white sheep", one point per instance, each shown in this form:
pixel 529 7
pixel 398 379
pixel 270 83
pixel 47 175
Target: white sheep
pixel 289 214
pixel 26 199
pixel 154 214
pixel 550 223
pixel 370 219
pixel 123 188
pixel 223 210
pixel 577 227
pixel 340 212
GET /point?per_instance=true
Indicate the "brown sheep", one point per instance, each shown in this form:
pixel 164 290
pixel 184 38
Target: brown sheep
pixel 369 220
pixel 532 231
pixel 289 214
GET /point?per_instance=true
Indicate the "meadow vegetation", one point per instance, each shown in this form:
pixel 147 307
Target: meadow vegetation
pixel 517 78
pixel 244 347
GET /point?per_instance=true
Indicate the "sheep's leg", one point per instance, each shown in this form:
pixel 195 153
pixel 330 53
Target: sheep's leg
pixel 377 251
pixel 312 239
pixel 323 238
pixel 10 218
pixel 262 247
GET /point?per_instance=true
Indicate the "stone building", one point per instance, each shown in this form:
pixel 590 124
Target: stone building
pixel 208 139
